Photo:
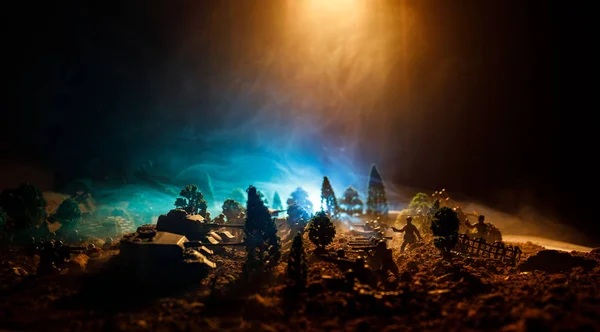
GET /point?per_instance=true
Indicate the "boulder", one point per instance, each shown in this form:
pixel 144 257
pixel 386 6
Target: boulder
pixel 554 261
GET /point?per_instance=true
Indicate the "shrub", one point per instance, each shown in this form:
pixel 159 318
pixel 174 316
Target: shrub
pixel 444 226
pixel 68 213
pixel 321 230
pixel 191 200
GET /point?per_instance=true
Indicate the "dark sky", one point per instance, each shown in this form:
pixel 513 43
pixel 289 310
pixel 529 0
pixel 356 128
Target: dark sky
pixel 100 79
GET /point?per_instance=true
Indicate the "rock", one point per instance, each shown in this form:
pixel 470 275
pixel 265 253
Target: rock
pixel 554 261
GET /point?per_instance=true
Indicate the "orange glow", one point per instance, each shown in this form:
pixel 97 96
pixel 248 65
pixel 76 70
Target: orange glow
pixel 335 51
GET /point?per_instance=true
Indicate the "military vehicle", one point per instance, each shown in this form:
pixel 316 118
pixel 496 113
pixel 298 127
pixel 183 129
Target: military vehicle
pixel 195 227
pixel 149 253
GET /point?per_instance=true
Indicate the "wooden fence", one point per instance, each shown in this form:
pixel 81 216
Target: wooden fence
pixel 497 250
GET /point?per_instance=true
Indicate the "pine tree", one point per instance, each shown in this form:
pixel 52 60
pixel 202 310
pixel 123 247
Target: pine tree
pixel 237 195
pixel 377 204
pixel 297 268
pixel 260 232
pixel 350 203
pixel 328 200
pixel 191 200
pixel 321 230
pixel 300 197
pixel 277 202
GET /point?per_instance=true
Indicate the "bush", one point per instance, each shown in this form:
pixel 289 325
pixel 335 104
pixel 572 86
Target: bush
pixel 232 210
pixel 321 230
pixel 444 226
pixel 191 200
pixel 420 204
pixel 68 213
pixel 25 205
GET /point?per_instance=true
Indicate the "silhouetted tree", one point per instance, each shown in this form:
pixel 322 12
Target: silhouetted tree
pixel 321 230
pixel 262 243
pixel 351 203
pixel 297 268
pixel 421 203
pixel 277 205
pixel 328 200
pixel 298 218
pixel 300 197
pixel 238 195
pixel 232 209
pixel 192 200
pixel 444 226
pixel 377 204
pixel 434 208
pixel 68 213
pixel 25 205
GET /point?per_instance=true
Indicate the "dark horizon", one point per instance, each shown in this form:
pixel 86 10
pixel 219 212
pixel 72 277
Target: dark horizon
pixel 480 101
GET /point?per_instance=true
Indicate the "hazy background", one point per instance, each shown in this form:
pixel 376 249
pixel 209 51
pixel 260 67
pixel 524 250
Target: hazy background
pixel 475 97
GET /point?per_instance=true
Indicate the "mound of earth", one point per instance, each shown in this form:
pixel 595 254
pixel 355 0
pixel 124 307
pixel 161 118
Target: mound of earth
pixel 464 294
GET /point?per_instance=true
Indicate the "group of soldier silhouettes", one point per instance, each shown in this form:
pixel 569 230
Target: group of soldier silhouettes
pixel 382 261
pixel 411 233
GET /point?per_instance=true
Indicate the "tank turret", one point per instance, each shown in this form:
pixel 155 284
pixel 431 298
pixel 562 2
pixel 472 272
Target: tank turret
pixel 195 227
pixel 153 253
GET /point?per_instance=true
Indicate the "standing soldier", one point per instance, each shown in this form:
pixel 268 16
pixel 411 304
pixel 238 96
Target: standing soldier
pixel 481 227
pixel 410 233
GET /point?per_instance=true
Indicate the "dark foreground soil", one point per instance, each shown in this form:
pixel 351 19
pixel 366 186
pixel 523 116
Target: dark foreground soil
pixel 433 294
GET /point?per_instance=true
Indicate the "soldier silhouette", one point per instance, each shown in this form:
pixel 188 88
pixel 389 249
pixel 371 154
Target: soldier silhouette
pixel 410 233
pixel 480 226
pixel 384 261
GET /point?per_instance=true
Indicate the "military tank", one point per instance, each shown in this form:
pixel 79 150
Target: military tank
pixel 149 253
pixel 197 228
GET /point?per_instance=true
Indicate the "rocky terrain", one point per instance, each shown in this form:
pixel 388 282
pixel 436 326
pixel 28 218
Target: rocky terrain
pixel 547 291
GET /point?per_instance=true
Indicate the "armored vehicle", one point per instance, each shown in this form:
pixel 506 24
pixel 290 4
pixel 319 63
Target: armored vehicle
pixel 149 253
pixel 195 227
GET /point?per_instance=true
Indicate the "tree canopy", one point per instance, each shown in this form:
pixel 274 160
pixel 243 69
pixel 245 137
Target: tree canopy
pixel 377 204
pixel 328 200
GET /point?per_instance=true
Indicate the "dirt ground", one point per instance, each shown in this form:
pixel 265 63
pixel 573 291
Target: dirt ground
pixel 466 294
